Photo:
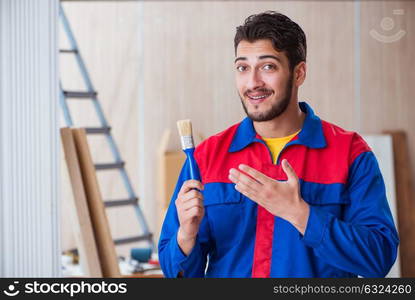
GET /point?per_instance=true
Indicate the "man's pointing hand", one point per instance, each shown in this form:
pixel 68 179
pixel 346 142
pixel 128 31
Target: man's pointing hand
pixel 280 198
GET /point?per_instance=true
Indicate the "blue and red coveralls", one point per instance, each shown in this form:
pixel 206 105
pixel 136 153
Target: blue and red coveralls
pixel 350 230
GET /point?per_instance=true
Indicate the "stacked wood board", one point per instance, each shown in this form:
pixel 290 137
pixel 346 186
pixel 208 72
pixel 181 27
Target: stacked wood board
pixel 93 235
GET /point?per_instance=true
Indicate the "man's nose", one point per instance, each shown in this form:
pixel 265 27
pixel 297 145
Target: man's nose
pixel 254 81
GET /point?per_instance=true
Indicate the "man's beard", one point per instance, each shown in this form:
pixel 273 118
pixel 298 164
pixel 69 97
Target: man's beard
pixel 276 110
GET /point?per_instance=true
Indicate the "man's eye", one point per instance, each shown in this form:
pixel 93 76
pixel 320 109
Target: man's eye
pixel 241 68
pixel 269 67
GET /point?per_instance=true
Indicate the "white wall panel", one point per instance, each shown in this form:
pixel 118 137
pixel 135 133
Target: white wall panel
pixel 29 224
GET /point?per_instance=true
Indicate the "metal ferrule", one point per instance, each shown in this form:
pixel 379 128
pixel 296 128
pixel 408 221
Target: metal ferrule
pixel 187 142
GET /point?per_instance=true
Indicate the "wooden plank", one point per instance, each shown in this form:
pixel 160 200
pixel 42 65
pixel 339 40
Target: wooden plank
pixel 79 212
pixel 106 247
pixel 405 203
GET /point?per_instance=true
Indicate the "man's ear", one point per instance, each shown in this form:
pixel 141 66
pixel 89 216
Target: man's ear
pixel 300 71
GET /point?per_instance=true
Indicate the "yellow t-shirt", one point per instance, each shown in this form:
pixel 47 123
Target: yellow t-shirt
pixel 275 145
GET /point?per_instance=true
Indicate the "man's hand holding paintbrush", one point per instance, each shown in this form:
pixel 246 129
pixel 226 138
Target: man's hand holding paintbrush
pixel 189 202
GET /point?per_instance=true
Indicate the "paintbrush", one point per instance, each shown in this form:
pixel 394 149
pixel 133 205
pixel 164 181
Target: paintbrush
pixel 188 146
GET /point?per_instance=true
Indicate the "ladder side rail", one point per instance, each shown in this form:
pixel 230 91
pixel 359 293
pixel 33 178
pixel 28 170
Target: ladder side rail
pixel 74 46
pixel 64 106
pixel 82 66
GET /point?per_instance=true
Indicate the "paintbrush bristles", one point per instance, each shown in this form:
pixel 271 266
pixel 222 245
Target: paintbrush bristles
pixel 185 127
pixel 185 132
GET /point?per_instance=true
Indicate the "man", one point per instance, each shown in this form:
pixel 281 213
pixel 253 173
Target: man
pixel 283 193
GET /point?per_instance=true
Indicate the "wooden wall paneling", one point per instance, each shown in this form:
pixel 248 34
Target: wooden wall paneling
pixel 386 75
pixel 329 85
pixel 388 95
pixel 77 205
pixel 104 239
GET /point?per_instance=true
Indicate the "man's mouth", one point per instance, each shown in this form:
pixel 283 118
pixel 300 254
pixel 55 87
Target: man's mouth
pixel 257 98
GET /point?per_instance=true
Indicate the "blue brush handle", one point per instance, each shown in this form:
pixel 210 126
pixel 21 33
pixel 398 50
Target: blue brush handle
pixel 194 169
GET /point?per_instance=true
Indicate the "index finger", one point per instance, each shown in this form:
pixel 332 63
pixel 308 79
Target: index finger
pixel 189 185
pixel 258 176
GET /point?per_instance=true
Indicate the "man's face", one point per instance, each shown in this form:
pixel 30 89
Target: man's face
pixel 263 80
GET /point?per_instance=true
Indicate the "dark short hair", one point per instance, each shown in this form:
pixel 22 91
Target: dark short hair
pixel 285 35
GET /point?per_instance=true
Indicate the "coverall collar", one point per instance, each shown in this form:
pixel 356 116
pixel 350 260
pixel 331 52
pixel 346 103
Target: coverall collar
pixel 311 134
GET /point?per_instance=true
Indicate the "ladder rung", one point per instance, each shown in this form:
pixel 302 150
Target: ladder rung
pixel 76 94
pixel 68 51
pixel 145 237
pixel 97 130
pixel 114 203
pixel 116 165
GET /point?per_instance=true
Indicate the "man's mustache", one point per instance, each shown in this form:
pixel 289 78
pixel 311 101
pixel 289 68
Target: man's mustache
pixel 263 90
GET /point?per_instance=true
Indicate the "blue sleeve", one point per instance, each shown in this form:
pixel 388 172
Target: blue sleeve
pixel 172 260
pixel 365 241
